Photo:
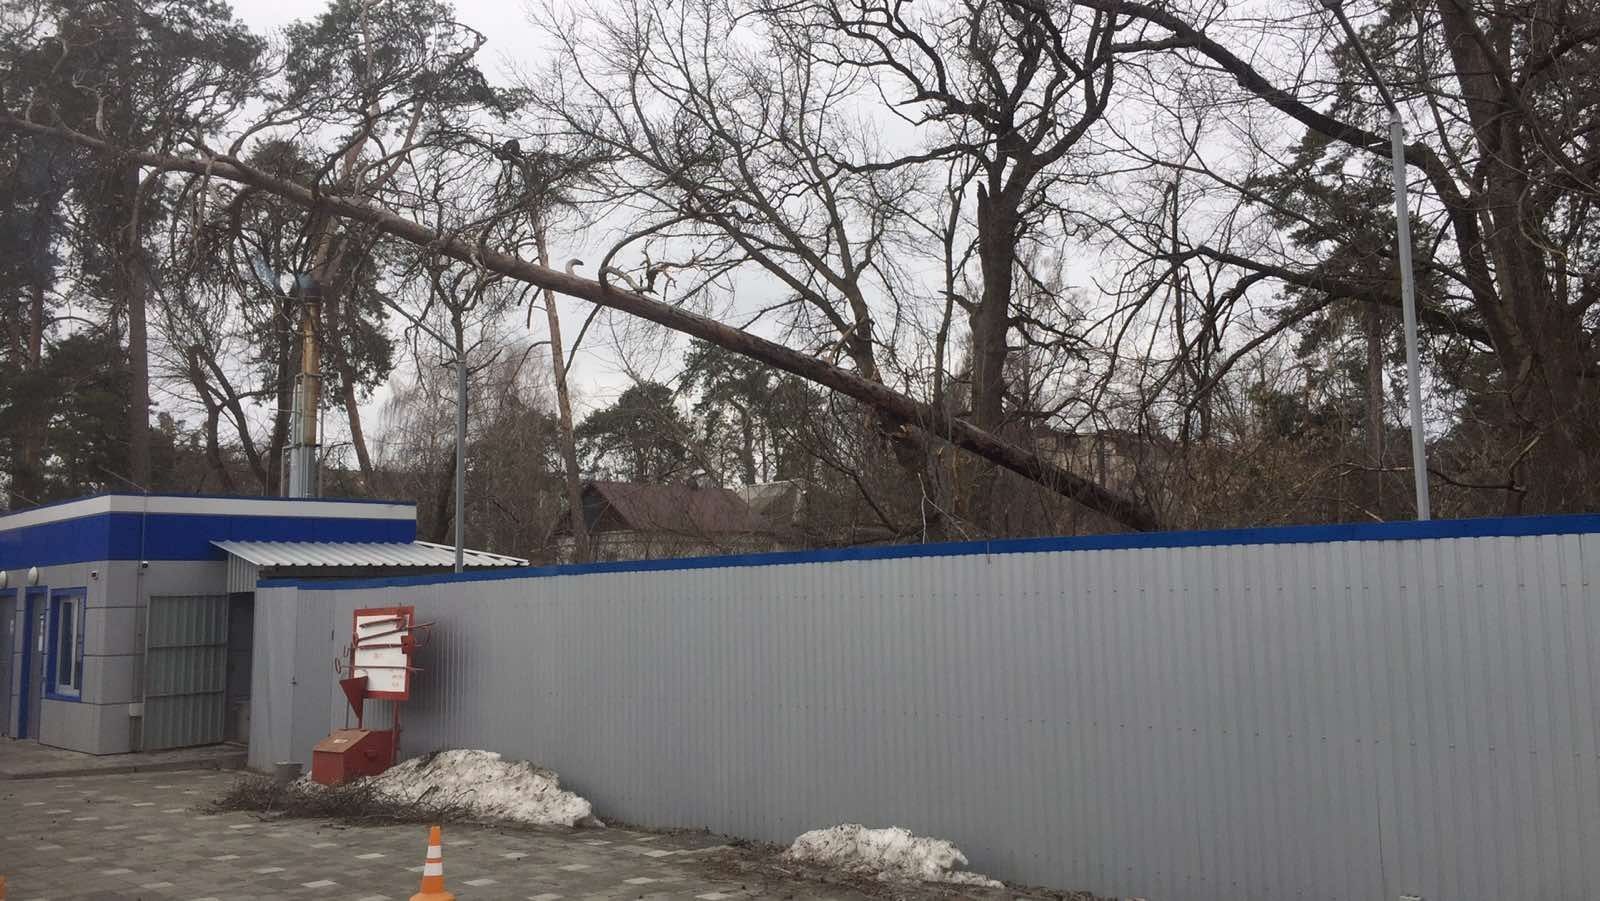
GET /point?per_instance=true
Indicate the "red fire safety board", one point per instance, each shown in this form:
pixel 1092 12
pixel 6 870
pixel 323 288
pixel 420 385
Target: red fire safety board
pixel 381 649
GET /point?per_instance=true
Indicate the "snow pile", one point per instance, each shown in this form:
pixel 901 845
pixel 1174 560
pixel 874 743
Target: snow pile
pixel 494 788
pixel 893 854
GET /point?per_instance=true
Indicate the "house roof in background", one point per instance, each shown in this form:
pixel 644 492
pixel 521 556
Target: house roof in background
pixel 678 509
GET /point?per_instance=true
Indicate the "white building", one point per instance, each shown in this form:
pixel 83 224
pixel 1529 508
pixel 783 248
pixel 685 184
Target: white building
pixel 126 620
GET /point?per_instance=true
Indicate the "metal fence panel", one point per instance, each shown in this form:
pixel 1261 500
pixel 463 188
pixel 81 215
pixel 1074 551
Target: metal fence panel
pixel 185 671
pixel 1333 720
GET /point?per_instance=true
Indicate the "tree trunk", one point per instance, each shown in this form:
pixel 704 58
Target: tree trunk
pixel 747 447
pixel 214 451
pixel 26 481
pixel 338 346
pixel 41 277
pixel 444 499
pixel 989 324
pixel 135 287
pixel 352 409
pixel 569 446
pixel 127 247
pixel 229 401
pixel 1549 363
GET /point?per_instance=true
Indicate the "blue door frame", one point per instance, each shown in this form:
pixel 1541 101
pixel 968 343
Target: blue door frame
pixel 26 683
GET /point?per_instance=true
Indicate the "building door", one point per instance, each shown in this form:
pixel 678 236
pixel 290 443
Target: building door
pixel 241 629
pixel 185 671
pixel 36 608
pixel 8 641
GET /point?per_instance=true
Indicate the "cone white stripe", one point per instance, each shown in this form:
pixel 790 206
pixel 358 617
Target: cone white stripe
pixel 433 869
pixel 434 853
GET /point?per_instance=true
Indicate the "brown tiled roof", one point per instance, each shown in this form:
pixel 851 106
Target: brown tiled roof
pixel 677 509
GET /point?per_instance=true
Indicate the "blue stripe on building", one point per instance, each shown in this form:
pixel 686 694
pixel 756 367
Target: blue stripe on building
pixel 178 536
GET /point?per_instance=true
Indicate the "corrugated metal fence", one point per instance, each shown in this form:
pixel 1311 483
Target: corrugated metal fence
pixel 1338 719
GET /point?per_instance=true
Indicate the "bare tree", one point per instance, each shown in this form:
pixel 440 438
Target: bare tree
pixel 724 149
pixel 1501 99
pixel 722 152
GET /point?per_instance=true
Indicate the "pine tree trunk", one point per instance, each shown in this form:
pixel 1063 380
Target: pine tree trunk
pixel 747 448
pixel 26 482
pixel 135 286
pixel 569 446
pixel 358 439
pixel 335 314
pixel 133 280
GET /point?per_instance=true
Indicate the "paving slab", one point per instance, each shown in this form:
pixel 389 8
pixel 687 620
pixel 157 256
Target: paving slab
pixel 26 759
pixel 145 836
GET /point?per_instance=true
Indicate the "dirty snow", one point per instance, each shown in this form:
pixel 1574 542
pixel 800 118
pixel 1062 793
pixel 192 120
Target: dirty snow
pixel 495 788
pixel 892 854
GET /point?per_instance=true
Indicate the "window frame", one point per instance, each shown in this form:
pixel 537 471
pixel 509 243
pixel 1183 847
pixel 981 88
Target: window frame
pixel 60 598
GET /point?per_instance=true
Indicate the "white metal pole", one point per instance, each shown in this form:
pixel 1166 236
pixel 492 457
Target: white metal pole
pixel 1408 284
pixel 461 458
pixel 1408 305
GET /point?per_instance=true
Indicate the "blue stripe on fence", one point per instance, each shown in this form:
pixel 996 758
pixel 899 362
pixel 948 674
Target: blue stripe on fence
pixel 1385 531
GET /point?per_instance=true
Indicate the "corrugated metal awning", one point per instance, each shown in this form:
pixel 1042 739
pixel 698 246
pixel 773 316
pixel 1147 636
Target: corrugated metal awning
pixel 359 553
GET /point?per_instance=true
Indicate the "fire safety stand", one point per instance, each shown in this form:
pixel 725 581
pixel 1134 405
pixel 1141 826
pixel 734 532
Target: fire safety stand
pixel 378 665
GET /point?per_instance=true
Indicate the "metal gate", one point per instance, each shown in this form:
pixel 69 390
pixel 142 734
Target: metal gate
pixel 185 671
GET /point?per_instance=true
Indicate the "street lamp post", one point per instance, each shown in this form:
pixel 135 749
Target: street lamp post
pixel 1408 285
pixel 461 457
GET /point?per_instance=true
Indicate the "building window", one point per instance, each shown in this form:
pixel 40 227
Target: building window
pixel 66 646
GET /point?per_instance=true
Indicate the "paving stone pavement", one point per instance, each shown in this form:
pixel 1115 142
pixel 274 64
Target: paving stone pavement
pixel 23 759
pixel 143 836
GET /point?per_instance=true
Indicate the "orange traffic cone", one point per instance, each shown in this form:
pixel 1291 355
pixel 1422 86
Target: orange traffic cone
pixel 433 872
